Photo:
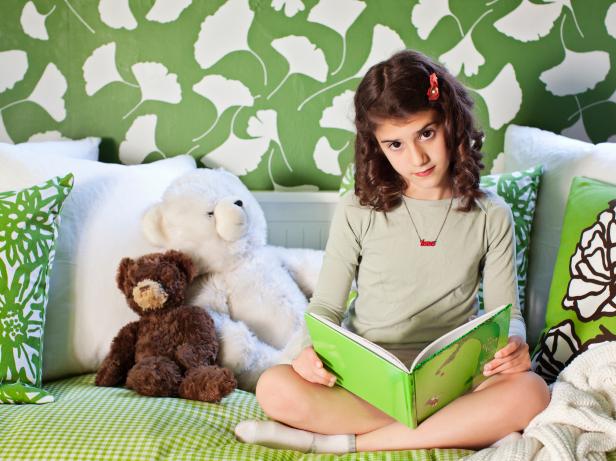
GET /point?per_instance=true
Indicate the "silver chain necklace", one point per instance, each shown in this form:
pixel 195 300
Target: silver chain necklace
pixel 423 242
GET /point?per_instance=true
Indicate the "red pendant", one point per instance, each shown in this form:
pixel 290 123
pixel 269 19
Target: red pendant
pixel 428 243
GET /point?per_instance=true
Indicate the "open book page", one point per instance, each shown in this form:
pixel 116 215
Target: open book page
pixel 448 338
pixel 378 350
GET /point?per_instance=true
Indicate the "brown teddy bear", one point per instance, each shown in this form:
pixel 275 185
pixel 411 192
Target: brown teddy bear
pixel 172 349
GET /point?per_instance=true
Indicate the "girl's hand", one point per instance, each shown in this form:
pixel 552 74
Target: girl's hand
pixel 512 358
pixel 309 366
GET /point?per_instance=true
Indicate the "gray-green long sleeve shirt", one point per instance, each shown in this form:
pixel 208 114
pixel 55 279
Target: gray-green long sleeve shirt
pixel 408 294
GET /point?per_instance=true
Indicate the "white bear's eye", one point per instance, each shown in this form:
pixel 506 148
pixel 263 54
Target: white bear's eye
pixel 210 213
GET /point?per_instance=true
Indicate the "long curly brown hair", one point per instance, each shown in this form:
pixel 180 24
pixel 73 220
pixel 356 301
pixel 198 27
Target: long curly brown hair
pixel 395 89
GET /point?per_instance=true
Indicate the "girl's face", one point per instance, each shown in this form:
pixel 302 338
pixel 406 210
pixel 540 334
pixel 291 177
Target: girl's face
pixel 416 149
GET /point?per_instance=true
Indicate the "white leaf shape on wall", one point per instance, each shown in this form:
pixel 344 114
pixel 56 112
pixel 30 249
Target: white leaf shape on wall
pixel 577 131
pixel 385 42
pixel 326 157
pixel 570 76
pixel 100 69
pixel 341 114
pixel 140 140
pixel 223 93
pixel 265 125
pixel 610 20
pixel 338 15
pixel 529 21
pixel 465 54
pixel 427 13
pixel 156 84
pixel 502 110
pixel 280 187
pixel 167 10
pixel 303 57
pixel 4 135
pixel 117 14
pixel 33 22
pixel 232 21
pixel 14 64
pixel 51 135
pixel 291 7
pixel 239 156
pixel 49 92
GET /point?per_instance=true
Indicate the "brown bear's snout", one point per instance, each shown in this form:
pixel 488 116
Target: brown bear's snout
pixel 149 295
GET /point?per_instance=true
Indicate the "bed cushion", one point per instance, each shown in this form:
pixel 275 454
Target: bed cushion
pixel 28 230
pixel 581 311
pixel 88 422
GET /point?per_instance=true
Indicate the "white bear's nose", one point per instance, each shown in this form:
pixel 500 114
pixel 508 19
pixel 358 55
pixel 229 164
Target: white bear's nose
pixel 239 203
pixel 231 219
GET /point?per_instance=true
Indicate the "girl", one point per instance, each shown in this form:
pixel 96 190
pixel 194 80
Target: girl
pixel 418 236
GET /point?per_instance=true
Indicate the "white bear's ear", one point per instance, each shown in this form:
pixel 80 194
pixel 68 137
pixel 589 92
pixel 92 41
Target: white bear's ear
pixel 153 226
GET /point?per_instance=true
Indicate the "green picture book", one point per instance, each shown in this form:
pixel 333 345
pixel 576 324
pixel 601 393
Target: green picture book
pixel 445 369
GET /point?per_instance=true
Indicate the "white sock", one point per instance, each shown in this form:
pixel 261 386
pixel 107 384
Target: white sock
pixel 277 435
pixel 508 438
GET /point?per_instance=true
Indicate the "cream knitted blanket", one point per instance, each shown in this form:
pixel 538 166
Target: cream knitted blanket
pixel 579 423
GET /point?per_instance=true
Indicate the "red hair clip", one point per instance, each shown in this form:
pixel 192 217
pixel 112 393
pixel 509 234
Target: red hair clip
pixel 433 92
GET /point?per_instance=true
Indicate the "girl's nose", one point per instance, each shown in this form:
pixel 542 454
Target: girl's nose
pixel 418 156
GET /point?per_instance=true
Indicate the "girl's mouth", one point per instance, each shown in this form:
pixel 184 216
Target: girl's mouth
pixel 426 172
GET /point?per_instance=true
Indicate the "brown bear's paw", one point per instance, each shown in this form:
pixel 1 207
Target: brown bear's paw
pixel 207 383
pixel 155 377
pixel 110 374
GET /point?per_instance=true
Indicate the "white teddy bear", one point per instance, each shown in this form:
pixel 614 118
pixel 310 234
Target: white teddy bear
pixel 256 293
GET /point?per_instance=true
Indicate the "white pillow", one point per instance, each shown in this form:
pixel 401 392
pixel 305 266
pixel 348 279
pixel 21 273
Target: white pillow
pixel 100 224
pixel 563 158
pixel 86 149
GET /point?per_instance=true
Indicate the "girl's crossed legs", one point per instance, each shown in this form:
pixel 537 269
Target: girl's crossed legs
pixel 502 404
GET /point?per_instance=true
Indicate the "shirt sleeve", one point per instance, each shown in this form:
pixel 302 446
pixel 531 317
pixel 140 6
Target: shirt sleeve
pixel 500 282
pixel 342 254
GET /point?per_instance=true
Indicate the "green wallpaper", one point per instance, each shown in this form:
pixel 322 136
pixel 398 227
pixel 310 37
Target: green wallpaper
pixel 264 87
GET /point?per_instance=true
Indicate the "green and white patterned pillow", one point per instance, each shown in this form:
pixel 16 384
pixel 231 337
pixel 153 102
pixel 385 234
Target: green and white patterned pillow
pixel 29 221
pixel 519 190
pixel 581 310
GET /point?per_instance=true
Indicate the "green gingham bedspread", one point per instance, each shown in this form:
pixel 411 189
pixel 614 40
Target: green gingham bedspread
pixel 88 422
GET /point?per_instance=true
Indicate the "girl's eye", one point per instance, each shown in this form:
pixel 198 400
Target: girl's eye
pixel 427 134
pixel 395 145
pixel 210 214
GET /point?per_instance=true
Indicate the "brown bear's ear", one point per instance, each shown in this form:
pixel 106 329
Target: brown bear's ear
pixel 122 274
pixel 184 262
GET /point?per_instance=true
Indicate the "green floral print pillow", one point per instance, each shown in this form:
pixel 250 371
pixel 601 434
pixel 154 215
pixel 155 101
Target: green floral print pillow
pixel 519 190
pixel 581 310
pixel 29 221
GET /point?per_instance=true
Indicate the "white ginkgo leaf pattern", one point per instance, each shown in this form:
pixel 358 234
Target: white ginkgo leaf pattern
pixel 610 20
pixel 223 93
pixel 49 92
pixel 232 21
pixel 164 11
pixel 498 165
pixel 502 110
pixel 338 15
pixel 291 7
pixel 464 54
pixel 156 84
pixel 326 157
pixel 237 155
pixel 529 21
pixel 51 135
pixel 33 22
pixel 565 78
pixel 303 58
pixel 341 114
pixel 117 14
pixel 427 13
pixel 14 64
pixel 140 140
pixel 385 42
pixel 100 69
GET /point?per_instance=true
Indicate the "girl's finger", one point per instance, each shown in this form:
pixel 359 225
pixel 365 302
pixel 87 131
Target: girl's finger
pixel 511 366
